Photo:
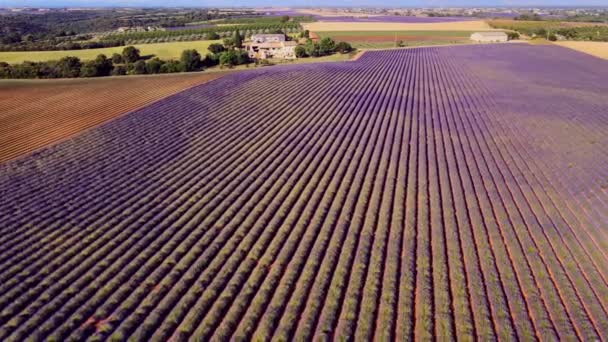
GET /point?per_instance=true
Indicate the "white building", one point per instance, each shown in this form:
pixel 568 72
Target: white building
pixel 267 38
pixel 489 37
pixel 263 46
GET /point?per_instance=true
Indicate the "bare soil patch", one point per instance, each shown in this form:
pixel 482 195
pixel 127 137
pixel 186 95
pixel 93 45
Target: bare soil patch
pixel 35 113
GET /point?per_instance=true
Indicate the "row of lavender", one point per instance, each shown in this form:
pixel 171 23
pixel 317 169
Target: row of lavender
pixel 403 196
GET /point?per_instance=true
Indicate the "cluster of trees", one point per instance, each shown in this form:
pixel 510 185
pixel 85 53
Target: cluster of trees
pixel 326 46
pixel 28 44
pixel 229 53
pixel 553 30
pixel 529 17
pixel 27 31
pixel 129 62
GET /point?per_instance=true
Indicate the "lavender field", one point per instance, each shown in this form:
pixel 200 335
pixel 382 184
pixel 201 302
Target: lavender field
pixel 374 18
pixel 392 19
pixel 448 192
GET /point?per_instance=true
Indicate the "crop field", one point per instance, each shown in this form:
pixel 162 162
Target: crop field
pixel 171 50
pixel 322 26
pixel 597 49
pixel 34 113
pixel 387 39
pixel 446 192
pixel 342 16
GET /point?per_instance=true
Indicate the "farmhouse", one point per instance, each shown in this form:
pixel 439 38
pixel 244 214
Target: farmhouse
pixel 263 46
pixel 489 37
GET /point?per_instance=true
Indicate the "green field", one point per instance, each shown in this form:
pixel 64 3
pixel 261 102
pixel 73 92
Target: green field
pixel 388 39
pixel 162 50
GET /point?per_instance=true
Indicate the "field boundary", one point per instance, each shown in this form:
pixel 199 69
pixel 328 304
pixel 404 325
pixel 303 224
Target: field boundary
pixel 69 137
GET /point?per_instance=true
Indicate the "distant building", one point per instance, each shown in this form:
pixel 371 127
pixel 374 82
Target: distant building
pixel 489 37
pixel 263 46
pixel 267 38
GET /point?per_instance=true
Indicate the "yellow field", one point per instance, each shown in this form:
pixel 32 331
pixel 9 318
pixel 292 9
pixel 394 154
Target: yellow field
pixel 367 26
pixel 162 50
pixel 598 49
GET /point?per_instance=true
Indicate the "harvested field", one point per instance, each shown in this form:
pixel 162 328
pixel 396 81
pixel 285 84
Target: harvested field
pixel 34 113
pixel 539 24
pixel 384 39
pixel 597 49
pixel 321 26
pixel 447 193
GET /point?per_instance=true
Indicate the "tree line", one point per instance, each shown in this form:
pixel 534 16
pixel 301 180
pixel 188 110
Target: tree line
pixel 73 30
pixel 130 62
pixel 326 46
pixel 554 30
pixel 210 31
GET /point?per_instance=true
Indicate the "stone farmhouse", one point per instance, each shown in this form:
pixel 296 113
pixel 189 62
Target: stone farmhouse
pixel 263 46
pixel 489 37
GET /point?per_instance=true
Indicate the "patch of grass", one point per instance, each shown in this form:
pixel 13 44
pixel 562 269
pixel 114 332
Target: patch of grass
pixel 540 41
pixel 171 50
pixel 393 33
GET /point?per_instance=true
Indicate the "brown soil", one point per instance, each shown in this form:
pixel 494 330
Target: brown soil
pixel 35 113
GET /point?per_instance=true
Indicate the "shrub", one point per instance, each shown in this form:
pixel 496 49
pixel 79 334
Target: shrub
pixel 344 47
pixel 130 54
pixel 191 60
pixel 300 51
pixel 138 68
pixel 153 66
pixel 215 48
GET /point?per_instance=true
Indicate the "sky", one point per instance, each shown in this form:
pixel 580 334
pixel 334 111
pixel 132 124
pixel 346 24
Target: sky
pixel 294 3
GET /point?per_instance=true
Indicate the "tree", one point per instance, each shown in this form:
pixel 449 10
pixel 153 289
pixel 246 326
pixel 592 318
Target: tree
pixel 211 59
pixel 153 66
pixel 69 67
pixel 130 54
pixel 119 70
pixel 213 36
pixel 300 51
pixel 242 57
pixel 100 66
pixel 312 49
pixel 228 58
pixel 88 69
pixel 284 18
pixel 228 43
pixel 5 70
pixel 306 34
pixel 104 65
pixel 344 47
pixel 191 60
pixel 138 68
pixel 171 67
pixel 238 40
pixel 28 38
pixel 327 46
pixel 215 48
pixel 117 58
pixel 513 35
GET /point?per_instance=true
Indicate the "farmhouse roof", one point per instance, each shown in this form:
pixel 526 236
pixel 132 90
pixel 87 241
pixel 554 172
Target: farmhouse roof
pixel 491 34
